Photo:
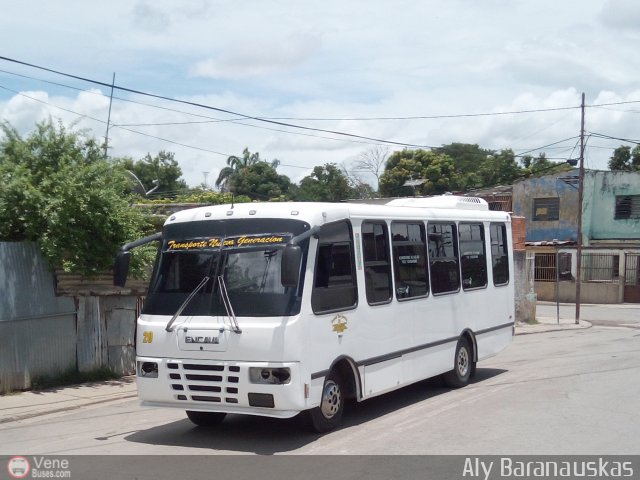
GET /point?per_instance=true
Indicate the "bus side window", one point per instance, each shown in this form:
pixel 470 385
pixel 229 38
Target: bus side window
pixel 443 258
pixel 334 284
pixel 473 258
pixel 410 260
pixel 377 268
pixel 499 254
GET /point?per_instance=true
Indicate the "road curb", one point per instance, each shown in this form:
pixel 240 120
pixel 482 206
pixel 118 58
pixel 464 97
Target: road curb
pixel 545 328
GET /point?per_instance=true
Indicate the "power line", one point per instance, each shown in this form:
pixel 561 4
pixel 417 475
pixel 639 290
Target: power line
pixel 545 146
pixel 609 137
pixel 209 107
pixel 199 122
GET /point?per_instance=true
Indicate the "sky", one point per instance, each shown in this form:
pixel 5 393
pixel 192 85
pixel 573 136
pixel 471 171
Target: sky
pixel 329 80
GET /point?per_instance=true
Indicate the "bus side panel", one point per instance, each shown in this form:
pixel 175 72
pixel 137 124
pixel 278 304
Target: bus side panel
pixel 428 363
pixel 494 342
pixel 382 377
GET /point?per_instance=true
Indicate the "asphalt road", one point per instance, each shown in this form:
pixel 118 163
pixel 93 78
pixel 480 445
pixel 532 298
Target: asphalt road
pixel 565 392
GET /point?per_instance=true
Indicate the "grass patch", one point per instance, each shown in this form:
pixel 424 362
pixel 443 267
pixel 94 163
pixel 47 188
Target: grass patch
pixel 72 376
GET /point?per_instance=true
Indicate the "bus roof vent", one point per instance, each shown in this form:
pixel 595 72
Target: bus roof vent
pixel 442 201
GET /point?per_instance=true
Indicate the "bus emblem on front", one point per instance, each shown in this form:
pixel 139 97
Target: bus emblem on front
pixel 189 339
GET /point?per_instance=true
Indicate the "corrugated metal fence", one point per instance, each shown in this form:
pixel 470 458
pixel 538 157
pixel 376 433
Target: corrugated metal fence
pixel 92 326
pixel 37 329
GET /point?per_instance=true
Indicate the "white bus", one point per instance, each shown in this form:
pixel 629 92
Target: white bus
pixel 279 308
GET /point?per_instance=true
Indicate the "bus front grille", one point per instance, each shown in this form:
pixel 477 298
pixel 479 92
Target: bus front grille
pixel 204 382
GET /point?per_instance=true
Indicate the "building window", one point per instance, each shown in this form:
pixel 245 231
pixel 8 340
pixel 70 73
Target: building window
pixel 377 268
pixel 601 267
pixel 334 284
pixel 627 207
pixel 499 254
pixel 443 258
pixel 545 209
pixel 410 260
pixel 473 258
pixel 545 267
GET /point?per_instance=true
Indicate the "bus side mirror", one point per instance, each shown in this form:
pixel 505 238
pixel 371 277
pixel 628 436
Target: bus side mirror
pixel 121 268
pixel 290 268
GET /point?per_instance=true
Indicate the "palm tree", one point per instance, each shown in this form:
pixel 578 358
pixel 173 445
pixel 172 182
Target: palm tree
pixel 234 166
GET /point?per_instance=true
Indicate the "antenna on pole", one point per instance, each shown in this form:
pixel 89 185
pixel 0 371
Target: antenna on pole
pixel 106 137
pixel 580 213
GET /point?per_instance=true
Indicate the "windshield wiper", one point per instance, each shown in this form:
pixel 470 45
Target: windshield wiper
pixel 202 283
pixel 224 296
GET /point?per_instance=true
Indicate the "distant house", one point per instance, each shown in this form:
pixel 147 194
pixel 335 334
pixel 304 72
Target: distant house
pixel 610 234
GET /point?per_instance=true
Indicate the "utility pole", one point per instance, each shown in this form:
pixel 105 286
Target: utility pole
pixel 580 197
pixel 106 138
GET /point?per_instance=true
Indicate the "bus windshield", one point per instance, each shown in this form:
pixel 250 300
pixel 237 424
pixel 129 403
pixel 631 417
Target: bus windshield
pixel 249 265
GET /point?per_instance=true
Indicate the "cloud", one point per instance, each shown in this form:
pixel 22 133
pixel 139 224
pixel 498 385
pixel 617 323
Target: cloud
pixel 621 14
pixel 259 58
pixel 330 60
pixel 150 17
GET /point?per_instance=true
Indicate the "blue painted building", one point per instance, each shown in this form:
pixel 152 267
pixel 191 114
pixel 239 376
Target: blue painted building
pixel 610 233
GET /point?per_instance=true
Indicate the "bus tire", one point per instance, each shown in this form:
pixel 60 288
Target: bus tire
pixel 328 415
pixel 462 365
pixel 205 419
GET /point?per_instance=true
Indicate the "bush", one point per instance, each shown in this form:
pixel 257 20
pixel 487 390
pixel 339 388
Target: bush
pixel 60 191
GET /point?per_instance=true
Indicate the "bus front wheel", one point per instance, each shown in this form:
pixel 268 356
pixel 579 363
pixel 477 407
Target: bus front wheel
pixel 328 415
pixel 205 419
pixel 463 365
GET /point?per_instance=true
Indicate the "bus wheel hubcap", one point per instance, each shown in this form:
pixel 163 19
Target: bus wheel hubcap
pixel 463 361
pixel 331 399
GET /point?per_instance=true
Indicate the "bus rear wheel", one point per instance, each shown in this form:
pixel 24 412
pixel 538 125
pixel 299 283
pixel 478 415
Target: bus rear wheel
pixel 328 415
pixel 463 365
pixel 205 419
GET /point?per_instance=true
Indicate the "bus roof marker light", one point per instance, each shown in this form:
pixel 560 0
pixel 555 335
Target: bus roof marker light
pixel 252 212
pixel 207 214
pixel 294 212
pixel 173 217
pixel 229 213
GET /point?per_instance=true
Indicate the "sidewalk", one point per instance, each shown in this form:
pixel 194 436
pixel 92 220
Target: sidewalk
pixel 547 323
pixel 549 318
pixel 23 405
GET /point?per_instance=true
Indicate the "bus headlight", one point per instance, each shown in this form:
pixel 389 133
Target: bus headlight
pixel 148 369
pixel 268 375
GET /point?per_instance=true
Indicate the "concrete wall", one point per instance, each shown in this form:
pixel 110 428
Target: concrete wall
pixel 560 186
pixel 598 222
pixel 600 191
pixel 525 301
pixel 590 292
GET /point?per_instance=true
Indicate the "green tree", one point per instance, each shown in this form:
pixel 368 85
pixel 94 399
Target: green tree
pixel 541 165
pixel 326 183
pixel 234 166
pixel 500 169
pixel 626 159
pixel 434 173
pixel 160 172
pixel 59 191
pixel 467 158
pixel 260 181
